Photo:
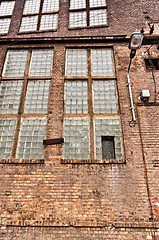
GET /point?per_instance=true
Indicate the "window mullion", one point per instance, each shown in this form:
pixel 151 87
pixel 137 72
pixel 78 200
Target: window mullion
pixel 87 12
pixel 40 14
pixel 25 82
pixel 90 106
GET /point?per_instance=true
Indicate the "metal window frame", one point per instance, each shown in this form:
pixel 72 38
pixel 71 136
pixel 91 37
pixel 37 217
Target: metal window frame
pixel 87 9
pixel 21 113
pixel 91 115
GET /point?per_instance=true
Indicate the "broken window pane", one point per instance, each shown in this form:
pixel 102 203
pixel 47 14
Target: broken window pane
pixel 31 137
pixel 76 97
pixel 37 97
pixel 76 144
pixel 7 127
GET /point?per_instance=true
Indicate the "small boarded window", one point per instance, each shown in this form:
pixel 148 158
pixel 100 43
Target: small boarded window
pixel 108 147
pixel 152 63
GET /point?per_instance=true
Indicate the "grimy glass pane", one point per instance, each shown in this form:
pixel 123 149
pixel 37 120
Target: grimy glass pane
pixel 74 4
pixel 50 6
pixel 4 25
pixel 29 24
pixel 108 147
pixel 41 62
pixel 31 6
pixel 105 96
pixel 108 127
pixel 102 62
pixel 10 92
pixel 76 97
pixel 7 127
pixel 37 97
pixel 6 8
pixel 98 17
pixel 97 3
pixel 49 22
pixel 76 144
pixel 15 63
pixel 77 19
pixel 76 62
pixel 30 145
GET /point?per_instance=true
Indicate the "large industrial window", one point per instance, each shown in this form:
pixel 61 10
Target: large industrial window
pixel 40 15
pixel 86 13
pixel 24 91
pixel 6 10
pixel 92 121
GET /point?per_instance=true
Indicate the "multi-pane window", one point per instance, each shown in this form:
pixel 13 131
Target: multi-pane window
pixel 39 15
pixel 6 10
pixel 92 121
pixel 24 92
pixel 84 13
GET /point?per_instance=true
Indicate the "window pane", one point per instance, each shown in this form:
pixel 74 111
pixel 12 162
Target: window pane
pixel 31 6
pixel 31 137
pixel 97 3
pixel 29 24
pixel 6 8
pixel 50 6
pixel 15 63
pixel 76 97
pixel 4 25
pixel 7 127
pixel 41 62
pixel 76 144
pixel 105 97
pixel 10 92
pixel 108 127
pixel 102 62
pixel 76 62
pixel 37 97
pixel 74 4
pixel 98 17
pixel 49 22
pixel 78 19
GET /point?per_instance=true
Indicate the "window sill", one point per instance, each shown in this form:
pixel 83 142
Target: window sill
pixel 88 27
pixel 95 161
pixel 22 161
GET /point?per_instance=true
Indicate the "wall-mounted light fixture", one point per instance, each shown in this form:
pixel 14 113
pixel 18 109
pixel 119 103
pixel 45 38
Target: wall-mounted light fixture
pixel 134 44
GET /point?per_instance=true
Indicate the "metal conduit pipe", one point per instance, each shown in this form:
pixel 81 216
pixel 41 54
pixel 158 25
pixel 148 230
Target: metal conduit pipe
pixel 130 94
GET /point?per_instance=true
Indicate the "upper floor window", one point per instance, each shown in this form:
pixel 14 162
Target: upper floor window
pixel 40 15
pixel 6 10
pixel 84 13
pixel 24 91
pixel 92 121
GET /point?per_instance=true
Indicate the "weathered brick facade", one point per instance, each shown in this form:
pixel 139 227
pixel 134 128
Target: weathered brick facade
pixel 52 199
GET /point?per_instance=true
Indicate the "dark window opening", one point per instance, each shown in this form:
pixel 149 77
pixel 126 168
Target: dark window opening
pixel 108 147
pixel 152 63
